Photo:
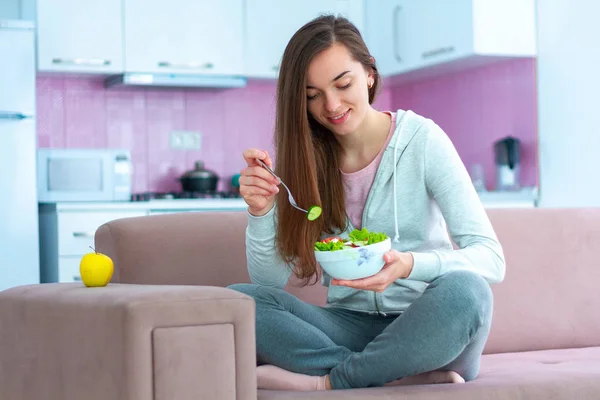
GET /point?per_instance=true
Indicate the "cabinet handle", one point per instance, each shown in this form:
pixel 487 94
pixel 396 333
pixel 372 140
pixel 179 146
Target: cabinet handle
pixel 83 234
pixel 190 65
pixel 12 115
pixel 275 68
pixel 76 278
pixel 437 52
pixel 395 33
pixel 96 62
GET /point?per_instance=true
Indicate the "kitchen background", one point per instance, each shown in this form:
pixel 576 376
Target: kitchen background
pixel 475 107
pixel 504 68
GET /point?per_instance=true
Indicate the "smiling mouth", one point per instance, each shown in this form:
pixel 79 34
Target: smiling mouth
pixel 337 117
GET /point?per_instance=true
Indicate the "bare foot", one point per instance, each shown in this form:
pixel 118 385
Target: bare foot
pixel 275 378
pixel 428 378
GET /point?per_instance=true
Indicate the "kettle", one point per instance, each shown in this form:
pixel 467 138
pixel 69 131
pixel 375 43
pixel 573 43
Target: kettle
pixel 507 152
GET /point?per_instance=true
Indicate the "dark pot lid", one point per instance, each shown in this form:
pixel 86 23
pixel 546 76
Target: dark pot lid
pixel 199 172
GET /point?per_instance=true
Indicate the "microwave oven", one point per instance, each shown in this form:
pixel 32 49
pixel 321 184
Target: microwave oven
pixel 83 175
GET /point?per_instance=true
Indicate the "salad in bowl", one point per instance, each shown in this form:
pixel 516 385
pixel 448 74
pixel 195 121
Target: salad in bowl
pixel 358 256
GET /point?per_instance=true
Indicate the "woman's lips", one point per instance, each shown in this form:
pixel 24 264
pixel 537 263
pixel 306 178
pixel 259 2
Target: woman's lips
pixel 341 119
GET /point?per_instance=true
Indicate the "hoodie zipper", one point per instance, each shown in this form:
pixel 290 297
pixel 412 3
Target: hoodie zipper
pixel 364 221
pixel 351 226
pixel 377 307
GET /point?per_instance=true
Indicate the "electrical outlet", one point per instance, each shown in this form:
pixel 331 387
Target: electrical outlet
pixel 185 140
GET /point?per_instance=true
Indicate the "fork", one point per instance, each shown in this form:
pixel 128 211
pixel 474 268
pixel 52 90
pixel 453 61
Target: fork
pixel 290 197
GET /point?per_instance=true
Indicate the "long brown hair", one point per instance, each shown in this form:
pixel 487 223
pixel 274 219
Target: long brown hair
pixel 307 153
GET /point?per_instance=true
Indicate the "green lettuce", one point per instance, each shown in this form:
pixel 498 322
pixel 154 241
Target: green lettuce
pixel 357 237
pixel 331 246
pixel 364 237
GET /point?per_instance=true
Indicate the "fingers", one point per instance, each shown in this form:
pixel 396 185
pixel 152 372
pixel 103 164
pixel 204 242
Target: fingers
pixel 257 186
pixel 376 283
pixel 267 160
pixel 252 175
pixel 356 283
pixel 391 256
pixel 253 181
pixel 250 155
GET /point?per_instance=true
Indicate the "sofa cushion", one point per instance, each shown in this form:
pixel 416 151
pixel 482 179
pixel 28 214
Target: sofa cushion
pixel 547 374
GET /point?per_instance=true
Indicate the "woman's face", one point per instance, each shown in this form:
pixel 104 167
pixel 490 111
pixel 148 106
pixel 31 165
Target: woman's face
pixel 337 90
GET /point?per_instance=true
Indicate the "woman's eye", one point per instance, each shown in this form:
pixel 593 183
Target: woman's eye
pixel 345 87
pixel 314 96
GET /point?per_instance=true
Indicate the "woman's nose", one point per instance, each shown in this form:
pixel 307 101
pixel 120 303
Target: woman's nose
pixel 332 103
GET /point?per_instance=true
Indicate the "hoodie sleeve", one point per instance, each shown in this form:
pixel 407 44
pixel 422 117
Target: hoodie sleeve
pixel 448 181
pixel 265 266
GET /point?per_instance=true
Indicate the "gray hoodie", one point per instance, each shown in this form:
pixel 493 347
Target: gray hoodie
pixel 421 192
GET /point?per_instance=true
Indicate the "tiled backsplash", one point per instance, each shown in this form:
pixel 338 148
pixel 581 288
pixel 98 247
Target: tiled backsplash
pixel 474 107
pixel 479 106
pixel 81 113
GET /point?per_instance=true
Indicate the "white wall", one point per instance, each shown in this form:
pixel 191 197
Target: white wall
pixel 569 102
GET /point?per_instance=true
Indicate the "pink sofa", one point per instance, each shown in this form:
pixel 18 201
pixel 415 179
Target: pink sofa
pixel 166 328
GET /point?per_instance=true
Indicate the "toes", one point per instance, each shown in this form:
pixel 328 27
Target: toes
pixel 455 378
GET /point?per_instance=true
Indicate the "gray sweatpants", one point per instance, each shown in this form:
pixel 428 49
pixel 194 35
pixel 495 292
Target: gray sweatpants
pixel 444 329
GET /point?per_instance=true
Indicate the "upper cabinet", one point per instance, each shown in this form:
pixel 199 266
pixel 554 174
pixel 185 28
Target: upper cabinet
pixel 408 38
pixel 184 37
pixel 10 9
pixel 269 25
pixel 425 37
pixel 388 35
pixel 80 36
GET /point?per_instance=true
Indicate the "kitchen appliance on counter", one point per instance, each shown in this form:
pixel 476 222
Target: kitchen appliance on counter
pixel 19 243
pixel 507 154
pixel 84 175
pixel 199 179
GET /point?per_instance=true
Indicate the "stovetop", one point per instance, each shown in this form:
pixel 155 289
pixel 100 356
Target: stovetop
pixel 147 196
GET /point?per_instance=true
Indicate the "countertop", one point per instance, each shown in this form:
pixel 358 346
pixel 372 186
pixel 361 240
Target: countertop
pixel 179 205
pixel 526 197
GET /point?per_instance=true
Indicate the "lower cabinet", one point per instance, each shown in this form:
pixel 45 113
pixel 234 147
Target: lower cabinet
pixel 66 236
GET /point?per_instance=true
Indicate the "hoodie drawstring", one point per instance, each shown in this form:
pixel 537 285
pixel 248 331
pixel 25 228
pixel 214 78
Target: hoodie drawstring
pixel 397 234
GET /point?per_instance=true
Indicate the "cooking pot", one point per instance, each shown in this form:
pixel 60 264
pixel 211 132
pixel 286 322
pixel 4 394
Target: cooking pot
pixel 199 179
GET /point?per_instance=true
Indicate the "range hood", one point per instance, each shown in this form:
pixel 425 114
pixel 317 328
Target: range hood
pixel 175 80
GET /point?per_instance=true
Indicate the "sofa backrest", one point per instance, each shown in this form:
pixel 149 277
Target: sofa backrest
pixel 549 298
pixel 192 248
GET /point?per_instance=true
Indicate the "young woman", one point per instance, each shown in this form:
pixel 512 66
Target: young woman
pixel 425 317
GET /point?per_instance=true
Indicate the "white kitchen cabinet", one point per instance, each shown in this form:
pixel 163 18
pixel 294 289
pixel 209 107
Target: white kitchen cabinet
pixel 10 9
pixel 80 36
pixel 66 236
pixel 68 269
pixel 419 38
pixel 76 230
pixel 270 24
pixel 184 36
pixel 388 35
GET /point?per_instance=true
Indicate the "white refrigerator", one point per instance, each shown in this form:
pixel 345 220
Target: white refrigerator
pixel 19 242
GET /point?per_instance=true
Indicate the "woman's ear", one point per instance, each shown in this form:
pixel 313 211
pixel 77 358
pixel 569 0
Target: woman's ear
pixel 371 79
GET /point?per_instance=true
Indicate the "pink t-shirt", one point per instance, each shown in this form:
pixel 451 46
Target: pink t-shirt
pixel 358 184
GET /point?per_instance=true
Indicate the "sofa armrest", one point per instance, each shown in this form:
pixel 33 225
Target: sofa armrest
pixel 194 248
pixel 125 342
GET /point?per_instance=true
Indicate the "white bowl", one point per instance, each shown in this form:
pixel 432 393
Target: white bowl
pixel 356 262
